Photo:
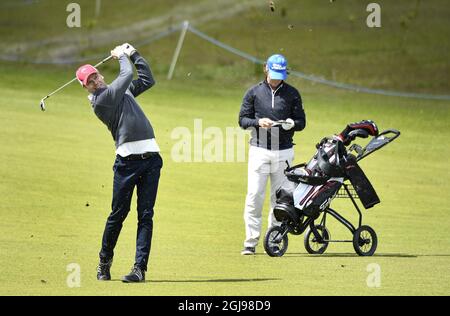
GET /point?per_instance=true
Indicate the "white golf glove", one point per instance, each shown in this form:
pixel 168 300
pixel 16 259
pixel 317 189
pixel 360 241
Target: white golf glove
pixel 288 125
pixel 128 49
pixel 118 52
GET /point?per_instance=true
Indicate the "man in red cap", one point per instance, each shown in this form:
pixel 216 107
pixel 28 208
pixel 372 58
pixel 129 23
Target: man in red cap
pixel 137 163
pixel 84 73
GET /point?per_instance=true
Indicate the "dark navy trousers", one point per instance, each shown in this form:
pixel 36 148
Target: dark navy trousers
pixel 144 175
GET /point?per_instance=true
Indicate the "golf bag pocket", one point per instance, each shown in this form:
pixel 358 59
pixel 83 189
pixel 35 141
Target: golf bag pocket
pixel 312 200
pixel 361 183
pixel 285 194
pixel 286 213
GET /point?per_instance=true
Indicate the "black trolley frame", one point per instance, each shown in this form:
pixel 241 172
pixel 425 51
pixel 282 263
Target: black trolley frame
pixel 346 191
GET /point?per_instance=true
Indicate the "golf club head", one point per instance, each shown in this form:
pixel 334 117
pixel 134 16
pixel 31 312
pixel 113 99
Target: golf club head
pixel 42 104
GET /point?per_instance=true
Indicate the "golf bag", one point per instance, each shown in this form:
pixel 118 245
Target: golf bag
pixel 320 179
pixel 304 202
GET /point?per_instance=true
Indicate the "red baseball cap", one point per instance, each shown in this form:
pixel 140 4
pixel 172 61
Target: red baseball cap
pixel 84 72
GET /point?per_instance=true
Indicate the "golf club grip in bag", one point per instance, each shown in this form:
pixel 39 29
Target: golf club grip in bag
pixel 360 183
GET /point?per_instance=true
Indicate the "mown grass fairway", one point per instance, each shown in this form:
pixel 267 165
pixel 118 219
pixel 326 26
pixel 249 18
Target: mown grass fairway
pixel 56 163
pixel 56 167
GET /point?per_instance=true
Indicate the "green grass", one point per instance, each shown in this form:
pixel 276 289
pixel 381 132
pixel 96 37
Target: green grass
pixel 409 52
pixel 54 163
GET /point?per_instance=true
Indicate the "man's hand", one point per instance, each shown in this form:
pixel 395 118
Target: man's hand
pixel 128 49
pixel 118 52
pixel 288 125
pixel 265 123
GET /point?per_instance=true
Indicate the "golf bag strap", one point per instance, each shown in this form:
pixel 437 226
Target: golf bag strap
pixel 310 180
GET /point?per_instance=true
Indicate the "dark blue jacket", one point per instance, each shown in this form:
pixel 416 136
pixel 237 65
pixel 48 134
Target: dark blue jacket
pixel 260 102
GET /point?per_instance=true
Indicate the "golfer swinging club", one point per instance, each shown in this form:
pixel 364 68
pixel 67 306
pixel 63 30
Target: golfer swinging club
pixel 273 110
pixel 137 163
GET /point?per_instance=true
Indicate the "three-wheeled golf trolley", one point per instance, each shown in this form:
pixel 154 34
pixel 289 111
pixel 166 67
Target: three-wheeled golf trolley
pixel 333 172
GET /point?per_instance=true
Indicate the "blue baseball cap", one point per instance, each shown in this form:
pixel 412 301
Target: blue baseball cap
pixel 277 66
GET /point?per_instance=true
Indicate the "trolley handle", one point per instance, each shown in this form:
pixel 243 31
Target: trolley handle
pixel 379 142
pixel 390 131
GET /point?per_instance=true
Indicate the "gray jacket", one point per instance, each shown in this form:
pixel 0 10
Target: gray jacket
pixel 116 106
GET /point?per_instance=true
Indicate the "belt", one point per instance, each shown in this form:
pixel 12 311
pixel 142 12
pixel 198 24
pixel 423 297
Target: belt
pixel 143 156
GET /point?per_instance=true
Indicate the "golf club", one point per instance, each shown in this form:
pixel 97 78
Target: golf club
pixel 42 104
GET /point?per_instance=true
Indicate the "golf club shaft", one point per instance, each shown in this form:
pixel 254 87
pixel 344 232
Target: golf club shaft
pixel 74 79
pixel 104 60
pixel 59 89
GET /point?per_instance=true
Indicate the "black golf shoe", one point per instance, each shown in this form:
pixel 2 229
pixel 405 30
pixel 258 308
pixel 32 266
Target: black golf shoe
pixel 103 270
pixel 136 275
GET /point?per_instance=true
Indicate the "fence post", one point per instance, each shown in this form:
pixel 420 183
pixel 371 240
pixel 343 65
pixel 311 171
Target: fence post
pixel 178 49
pixel 98 7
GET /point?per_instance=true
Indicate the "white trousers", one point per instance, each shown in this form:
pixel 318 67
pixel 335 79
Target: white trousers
pixel 262 164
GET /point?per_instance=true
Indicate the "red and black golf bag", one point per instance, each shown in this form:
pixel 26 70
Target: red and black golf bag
pixel 321 178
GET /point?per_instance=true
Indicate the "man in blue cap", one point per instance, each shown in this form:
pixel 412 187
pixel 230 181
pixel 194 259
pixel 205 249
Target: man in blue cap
pixel 273 110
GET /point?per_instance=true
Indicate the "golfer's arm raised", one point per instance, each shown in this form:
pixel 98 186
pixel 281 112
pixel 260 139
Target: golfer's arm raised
pixel 118 87
pixel 145 77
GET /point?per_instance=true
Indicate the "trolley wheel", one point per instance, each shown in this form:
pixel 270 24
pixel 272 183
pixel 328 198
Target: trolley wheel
pixel 312 245
pixel 365 241
pixel 275 244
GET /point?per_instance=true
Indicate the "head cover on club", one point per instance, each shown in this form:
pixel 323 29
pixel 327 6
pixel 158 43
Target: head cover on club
pixel 367 126
pixel 358 133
